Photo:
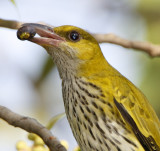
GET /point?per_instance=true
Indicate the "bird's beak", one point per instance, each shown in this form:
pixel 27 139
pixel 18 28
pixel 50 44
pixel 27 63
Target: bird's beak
pixel 46 33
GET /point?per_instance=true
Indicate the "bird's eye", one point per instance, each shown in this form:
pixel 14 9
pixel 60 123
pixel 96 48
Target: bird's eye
pixel 74 36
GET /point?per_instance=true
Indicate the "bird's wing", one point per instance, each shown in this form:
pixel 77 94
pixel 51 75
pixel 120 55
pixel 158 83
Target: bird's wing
pixel 138 113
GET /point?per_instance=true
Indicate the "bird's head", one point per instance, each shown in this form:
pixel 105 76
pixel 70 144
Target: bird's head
pixel 72 48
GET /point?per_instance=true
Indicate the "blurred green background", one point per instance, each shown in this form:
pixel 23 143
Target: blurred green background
pixel 150 82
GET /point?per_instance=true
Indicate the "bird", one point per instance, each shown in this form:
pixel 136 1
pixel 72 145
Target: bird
pixel 106 111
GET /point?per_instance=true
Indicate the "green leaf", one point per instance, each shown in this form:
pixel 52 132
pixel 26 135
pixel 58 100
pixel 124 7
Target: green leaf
pixel 54 120
pixel 13 2
pixel 46 69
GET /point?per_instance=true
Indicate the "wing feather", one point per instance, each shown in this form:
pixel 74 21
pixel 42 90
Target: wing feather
pixel 138 113
pixel 148 143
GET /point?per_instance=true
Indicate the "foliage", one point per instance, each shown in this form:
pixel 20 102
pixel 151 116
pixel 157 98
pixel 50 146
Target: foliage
pixel 13 2
pixel 150 81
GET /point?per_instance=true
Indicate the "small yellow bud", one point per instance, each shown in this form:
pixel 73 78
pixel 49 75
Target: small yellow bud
pixel 65 144
pixel 38 141
pixel 31 136
pixel 22 146
pixel 38 148
pixel 77 149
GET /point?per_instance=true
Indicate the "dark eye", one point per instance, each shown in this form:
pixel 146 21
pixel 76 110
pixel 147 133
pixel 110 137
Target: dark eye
pixel 74 36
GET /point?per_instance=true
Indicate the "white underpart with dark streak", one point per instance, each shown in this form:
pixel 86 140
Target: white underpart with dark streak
pixel 96 133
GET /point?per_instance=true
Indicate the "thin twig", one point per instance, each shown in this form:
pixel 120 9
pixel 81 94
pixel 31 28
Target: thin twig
pixel 12 24
pixel 31 126
pixel 150 49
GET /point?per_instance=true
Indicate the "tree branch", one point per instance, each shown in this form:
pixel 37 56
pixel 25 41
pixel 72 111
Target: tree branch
pixel 12 24
pixel 31 126
pixel 150 49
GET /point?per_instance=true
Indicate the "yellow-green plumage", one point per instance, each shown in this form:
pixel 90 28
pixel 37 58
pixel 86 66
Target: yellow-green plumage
pixel 105 110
